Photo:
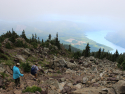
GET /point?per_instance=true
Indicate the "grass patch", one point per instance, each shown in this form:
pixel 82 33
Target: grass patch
pixel 32 89
pixel 3 56
pixel 9 62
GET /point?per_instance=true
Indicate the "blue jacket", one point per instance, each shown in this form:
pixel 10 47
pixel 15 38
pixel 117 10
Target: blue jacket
pixel 16 72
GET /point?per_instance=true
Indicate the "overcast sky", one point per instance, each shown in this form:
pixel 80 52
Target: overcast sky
pixel 101 13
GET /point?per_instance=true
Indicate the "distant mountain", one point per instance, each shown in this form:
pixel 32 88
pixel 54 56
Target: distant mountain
pixel 68 32
pixel 116 38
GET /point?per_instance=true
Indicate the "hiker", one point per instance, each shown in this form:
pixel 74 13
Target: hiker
pixel 34 70
pixel 17 74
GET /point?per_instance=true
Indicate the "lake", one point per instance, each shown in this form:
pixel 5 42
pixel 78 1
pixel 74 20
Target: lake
pixel 99 37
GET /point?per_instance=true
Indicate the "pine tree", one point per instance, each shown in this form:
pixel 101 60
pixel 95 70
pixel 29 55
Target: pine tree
pixel 49 37
pixel 69 48
pixel 57 41
pixel 33 38
pixel 116 55
pixel 87 51
pixel 42 41
pixel 23 35
pixel 38 40
pixel 83 53
pixel 99 53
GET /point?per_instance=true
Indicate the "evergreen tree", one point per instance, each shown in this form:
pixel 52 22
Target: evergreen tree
pixel 42 41
pixel 83 53
pixel 69 48
pixel 57 41
pixel 23 35
pixel 38 40
pixel 76 55
pixel 33 38
pixel 116 55
pixel 102 54
pixel 49 37
pixel 87 51
pixel 99 53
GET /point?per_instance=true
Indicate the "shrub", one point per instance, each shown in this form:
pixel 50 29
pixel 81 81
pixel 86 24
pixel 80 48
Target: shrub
pixel 12 39
pixel 40 62
pixel 8 46
pixel 26 67
pixel 20 43
pixel 123 65
pixel 0 44
pixel 4 74
pixel 34 44
pixel 3 56
pixel 9 62
pixel 118 65
pixel 32 89
pixel 58 71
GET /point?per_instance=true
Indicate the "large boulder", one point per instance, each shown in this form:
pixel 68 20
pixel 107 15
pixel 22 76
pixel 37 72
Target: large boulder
pixel 46 49
pixel 59 62
pixel 26 51
pixel 19 57
pixel 119 87
pixel 7 41
pixel 2 69
pixel 71 65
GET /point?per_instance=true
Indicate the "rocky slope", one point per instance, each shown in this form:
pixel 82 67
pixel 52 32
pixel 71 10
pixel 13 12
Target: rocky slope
pixel 62 75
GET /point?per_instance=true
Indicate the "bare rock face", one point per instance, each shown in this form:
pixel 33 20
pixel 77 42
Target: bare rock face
pixel 19 57
pixel 26 51
pixel 18 92
pixel 119 87
pixel 1 68
pixel 71 65
pixel 59 62
pixel 7 41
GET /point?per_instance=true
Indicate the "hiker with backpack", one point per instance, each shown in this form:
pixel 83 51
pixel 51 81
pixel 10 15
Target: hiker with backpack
pixel 17 74
pixel 34 70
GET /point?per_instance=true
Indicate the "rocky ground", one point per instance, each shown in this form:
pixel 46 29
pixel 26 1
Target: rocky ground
pixel 63 75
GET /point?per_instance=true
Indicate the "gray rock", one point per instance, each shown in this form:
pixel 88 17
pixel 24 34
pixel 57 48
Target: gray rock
pixel 119 87
pixel 85 79
pixel 1 68
pixel 20 58
pixel 26 52
pixel 1 82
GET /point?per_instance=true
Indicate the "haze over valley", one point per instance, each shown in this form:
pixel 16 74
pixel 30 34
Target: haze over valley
pixel 73 20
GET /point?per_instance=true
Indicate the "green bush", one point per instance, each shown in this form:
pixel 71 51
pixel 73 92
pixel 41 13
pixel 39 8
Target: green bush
pixel 26 67
pixel 34 44
pixel 123 65
pixel 0 44
pixel 3 56
pixel 20 43
pixel 40 62
pixel 12 39
pixel 118 65
pixel 32 89
pixel 8 46
pixel 4 74
pixel 9 62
